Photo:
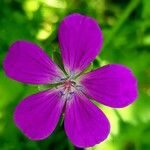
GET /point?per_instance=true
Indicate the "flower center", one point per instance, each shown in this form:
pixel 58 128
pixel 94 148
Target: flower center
pixel 68 88
pixel 68 84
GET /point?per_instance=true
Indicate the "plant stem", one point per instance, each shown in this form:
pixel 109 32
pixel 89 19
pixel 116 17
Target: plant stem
pixel 131 6
pixel 118 115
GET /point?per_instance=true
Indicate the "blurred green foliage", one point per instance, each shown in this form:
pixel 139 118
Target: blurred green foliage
pixel 126 27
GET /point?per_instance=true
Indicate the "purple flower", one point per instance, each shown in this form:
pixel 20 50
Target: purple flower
pixel 113 85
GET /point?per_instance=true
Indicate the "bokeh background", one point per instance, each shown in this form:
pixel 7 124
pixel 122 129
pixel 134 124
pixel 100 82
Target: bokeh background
pixel 126 27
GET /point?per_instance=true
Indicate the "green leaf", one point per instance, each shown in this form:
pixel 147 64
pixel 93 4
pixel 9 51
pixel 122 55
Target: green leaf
pixel 58 60
pixel 44 87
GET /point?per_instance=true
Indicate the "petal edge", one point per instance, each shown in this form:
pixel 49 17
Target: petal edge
pixel 113 85
pixel 85 124
pixel 37 115
pixel 80 39
pixel 28 63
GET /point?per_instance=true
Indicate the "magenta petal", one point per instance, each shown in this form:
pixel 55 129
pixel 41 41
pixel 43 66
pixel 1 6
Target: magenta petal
pixel 80 41
pixel 38 114
pixel 28 63
pixel 85 124
pixel 112 85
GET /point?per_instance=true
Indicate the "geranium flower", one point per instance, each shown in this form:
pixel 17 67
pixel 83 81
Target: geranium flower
pixel 113 85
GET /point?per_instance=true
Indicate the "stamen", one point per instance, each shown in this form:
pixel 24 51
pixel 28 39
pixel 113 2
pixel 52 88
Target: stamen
pixel 68 88
pixel 63 79
pixel 79 87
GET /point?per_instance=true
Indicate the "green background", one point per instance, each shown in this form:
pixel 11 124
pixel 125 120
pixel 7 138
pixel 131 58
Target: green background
pixel 126 27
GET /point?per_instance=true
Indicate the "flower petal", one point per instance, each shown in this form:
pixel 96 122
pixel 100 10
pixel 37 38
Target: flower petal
pixel 80 40
pixel 85 124
pixel 28 63
pixel 38 114
pixel 112 85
